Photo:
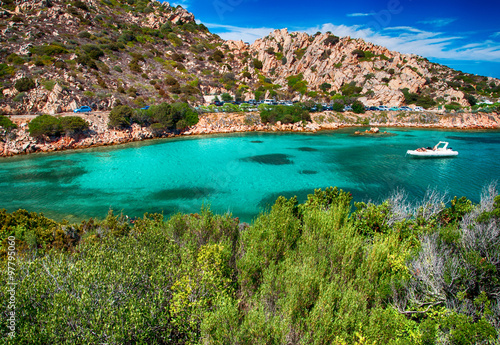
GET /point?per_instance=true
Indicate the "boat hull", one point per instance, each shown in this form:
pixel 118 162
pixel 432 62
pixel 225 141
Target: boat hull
pixel 432 154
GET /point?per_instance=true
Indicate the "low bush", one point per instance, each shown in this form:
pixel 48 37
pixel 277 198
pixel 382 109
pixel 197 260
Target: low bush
pixel 453 106
pixel 6 123
pixel 24 84
pixel 15 59
pixel 81 5
pixel 120 116
pixel 338 107
pixel 351 89
pixel 331 40
pixel 420 100
pixel 359 53
pixel 134 66
pixel 257 64
pixel 358 107
pixel 217 56
pixel 73 125
pixel 6 70
pixel 44 125
pixel 84 34
pixel 49 50
pixel 93 51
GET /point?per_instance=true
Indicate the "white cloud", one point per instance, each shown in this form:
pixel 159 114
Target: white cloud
pixel 359 14
pixel 183 3
pixel 439 22
pixel 230 32
pixel 496 34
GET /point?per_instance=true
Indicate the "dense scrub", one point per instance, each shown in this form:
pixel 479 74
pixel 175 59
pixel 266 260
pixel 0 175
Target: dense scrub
pixel 284 114
pixel 162 117
pixel 312 273
pixel 50 126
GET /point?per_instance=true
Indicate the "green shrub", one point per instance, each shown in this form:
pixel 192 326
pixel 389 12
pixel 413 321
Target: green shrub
pixel 226 97
pixel 178 57
pixel 171 81
pixel 299 53
pixel 6 123
pixel 257 64
pixel 49 85
pixel 15 59
pixel 73 125
pixel 86 60
pixel 84 34
pixel 49 50
pixel 166 28
pixel 81 5
pixel 358 107
pixel 127 36
pixel 93 51
pixel 338 107
pixel 120 116
pixel 134 66
pixel 471 99
pixel 60 64
pixel 359 53
pixel 190 90
pixel 246 75
pixel 331 40
pixel 6 70
pixel 453 106
pixel 325 87
pixel 103 67
pixel 217 56
pixel 176 41
pixel 118 69
pixel 44 125
pixel 351 89
pixel 24 84
pixel 420 100
pixel 19 97
pixel 297 83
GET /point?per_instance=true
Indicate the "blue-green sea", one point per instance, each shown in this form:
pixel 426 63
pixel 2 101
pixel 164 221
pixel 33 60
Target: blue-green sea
pixel 244 173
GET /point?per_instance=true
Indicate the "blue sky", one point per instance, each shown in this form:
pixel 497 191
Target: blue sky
pixel 464 35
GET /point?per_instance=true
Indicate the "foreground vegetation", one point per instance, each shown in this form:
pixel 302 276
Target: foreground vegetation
pixel 312 273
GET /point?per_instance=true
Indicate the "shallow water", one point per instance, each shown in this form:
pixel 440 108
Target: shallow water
pixel 243 173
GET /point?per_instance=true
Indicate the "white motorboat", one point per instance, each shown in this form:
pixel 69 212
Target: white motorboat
pixel 440 150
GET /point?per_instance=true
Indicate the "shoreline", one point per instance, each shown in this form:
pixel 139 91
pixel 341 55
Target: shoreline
pixel 224 123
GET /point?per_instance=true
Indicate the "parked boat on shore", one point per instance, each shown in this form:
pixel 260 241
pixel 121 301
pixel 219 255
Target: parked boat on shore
pixel 440 150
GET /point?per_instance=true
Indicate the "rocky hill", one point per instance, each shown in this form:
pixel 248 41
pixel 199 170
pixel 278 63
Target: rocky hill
pixel 57 55
pixel 324 65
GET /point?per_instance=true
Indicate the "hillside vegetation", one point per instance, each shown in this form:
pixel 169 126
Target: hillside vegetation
pixel 57 55
pixel 312 273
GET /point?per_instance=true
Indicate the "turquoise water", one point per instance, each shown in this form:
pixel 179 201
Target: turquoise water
pixel 243 173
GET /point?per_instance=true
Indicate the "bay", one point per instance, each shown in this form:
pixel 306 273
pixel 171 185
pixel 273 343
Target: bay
pixel 243 174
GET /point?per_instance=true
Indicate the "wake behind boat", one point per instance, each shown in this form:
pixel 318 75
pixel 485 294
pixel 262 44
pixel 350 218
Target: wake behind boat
pixel 440 150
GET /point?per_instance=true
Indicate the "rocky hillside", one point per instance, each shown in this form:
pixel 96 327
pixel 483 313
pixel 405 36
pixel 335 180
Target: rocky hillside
pixel 57 55
pixel 321 66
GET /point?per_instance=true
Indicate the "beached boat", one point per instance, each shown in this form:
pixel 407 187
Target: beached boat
pixel 440 150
